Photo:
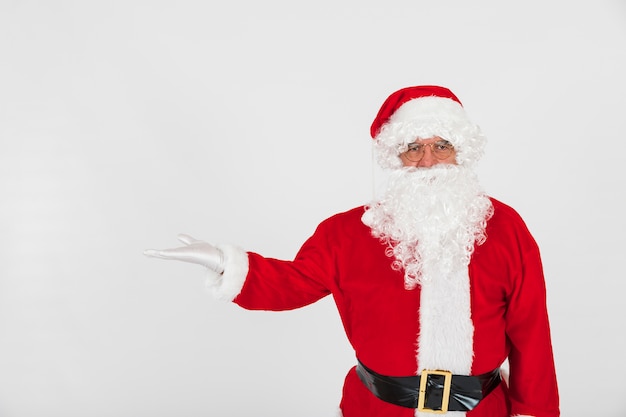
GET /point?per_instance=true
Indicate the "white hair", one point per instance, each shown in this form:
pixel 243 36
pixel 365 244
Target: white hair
pixel 425 118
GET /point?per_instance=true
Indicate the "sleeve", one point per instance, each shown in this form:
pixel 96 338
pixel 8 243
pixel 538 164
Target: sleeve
pixel 258 283
pixel 532 381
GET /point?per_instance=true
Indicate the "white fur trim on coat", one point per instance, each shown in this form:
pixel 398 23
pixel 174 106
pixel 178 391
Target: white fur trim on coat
pixel 446 339
pixel 228 285
pixel 446 328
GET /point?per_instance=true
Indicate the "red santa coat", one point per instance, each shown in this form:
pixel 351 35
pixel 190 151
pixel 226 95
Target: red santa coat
pixel 382 318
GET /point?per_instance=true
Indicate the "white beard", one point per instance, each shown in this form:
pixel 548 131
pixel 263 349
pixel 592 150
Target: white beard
pixel 430 218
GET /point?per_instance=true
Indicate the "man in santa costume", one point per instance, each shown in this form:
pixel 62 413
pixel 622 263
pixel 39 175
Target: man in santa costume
pixel 436 283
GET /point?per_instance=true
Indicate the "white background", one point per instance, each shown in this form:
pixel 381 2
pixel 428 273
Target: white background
pixel 124 123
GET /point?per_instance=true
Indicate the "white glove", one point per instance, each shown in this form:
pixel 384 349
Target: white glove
pixel 194 251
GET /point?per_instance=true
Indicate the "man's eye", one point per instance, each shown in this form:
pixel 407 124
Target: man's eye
pixel 414 147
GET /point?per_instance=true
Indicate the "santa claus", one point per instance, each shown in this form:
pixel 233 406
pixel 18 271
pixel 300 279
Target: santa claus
pixel 437 284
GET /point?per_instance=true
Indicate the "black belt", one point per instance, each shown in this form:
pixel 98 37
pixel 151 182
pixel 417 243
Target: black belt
pixel 432 391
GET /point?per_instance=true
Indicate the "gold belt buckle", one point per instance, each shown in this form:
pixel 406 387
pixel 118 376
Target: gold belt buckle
pixel 447 382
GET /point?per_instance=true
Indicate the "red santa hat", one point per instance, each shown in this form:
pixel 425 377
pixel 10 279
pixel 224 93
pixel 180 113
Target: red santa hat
pixel 423 112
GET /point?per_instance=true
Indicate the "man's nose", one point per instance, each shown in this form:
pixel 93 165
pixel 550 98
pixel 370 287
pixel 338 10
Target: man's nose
pixel 428 159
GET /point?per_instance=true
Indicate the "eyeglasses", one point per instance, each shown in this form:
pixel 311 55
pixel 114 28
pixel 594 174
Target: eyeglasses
pixel 440 149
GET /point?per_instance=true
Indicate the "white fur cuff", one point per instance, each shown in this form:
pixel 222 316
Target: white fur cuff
pixel 228 285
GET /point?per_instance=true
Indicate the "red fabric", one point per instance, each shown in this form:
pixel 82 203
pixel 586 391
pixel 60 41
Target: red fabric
pixel 398 98
pixel 381 318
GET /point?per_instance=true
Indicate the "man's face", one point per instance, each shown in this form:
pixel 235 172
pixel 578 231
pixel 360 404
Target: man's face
pixel 424 153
